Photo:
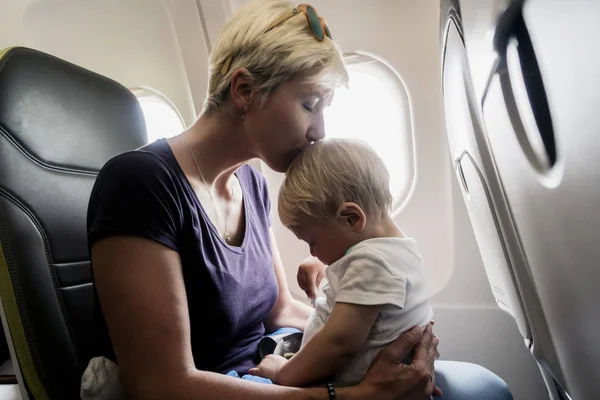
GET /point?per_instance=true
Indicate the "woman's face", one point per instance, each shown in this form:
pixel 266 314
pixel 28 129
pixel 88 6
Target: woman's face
pixel 290 119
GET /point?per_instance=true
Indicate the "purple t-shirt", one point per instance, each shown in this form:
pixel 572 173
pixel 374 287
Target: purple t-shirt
pixel 230 290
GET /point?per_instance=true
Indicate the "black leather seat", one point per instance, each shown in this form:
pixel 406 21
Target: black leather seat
pixel 59 124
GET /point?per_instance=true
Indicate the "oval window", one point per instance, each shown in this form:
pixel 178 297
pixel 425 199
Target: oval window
pixel 375 109
pixel 162 118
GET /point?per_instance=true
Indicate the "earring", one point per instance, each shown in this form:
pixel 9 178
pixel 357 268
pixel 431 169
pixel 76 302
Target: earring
pixel 243 114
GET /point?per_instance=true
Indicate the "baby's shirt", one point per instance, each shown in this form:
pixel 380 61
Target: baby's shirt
pixel 380 271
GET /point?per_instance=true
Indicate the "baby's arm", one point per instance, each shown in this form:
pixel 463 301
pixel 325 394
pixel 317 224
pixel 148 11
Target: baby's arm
pixel 343 335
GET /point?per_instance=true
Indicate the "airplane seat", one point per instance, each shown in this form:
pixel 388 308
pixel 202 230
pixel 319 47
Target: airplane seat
pixel 59 124
pixel 7 374
pixel 473 165
pixel 526 157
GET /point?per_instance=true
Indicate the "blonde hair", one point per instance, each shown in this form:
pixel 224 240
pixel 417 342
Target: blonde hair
pixel 329 173
pixel 287 51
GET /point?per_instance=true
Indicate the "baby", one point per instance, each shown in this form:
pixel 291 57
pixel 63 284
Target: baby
pixel 336 198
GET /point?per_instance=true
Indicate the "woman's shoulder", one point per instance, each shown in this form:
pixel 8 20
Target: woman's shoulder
pixel 255 185
pixel 149 163
pixel 137 178
pixel 253 178
pixel 137 193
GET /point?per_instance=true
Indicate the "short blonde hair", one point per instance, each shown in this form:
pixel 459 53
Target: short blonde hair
pixel 286 52
pixel 327 174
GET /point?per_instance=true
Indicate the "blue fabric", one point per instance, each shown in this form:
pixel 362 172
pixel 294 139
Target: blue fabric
pixel 466 381
pixel 282 341
pixel 458 381
pixel 284 331
pixel 252 378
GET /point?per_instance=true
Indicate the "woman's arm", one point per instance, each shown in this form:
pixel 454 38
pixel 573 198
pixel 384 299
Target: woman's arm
pixel 287 312
pixel 388 375
pixel 343 335
pixel 142 294
pixel 143 299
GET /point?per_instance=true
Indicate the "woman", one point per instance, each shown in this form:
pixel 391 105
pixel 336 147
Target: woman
pixel 185 264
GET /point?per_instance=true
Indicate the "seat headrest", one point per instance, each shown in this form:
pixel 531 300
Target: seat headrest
pixel 64 116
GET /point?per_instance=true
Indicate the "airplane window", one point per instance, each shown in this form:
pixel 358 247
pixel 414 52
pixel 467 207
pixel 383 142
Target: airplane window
pixel 375 109
pixel 162 118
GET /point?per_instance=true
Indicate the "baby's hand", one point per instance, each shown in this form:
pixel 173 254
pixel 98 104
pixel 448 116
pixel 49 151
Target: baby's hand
pixel 268 367
pixel 310 274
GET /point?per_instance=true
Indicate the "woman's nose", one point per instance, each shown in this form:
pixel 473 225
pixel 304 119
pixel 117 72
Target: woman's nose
pixel 317 130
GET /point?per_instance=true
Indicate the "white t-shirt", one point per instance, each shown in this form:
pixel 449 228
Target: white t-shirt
pixel 380 271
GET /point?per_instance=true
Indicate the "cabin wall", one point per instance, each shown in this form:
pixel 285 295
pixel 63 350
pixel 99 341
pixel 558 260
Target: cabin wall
pixel 135 42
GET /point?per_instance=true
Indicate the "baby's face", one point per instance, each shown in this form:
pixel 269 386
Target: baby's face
pixel 327 241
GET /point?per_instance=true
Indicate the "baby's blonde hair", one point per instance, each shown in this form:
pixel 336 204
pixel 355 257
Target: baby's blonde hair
pixel 286 52
pixel 329 173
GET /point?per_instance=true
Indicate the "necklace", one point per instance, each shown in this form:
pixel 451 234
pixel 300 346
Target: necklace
pixel 223 230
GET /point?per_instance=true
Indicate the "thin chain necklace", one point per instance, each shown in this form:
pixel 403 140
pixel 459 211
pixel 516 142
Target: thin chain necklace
pixel 224 232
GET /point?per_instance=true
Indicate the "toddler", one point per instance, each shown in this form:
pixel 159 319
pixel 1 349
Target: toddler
pixel 336 198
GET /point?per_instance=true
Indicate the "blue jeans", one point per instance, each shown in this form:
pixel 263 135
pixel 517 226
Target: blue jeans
pixel 458 381
pixel 250 378
pixel 466 381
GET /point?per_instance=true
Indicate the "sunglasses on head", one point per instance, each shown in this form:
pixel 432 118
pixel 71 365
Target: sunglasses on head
pixel 317 26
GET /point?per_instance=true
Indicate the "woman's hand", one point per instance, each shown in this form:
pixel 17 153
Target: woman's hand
pixel 388 378
pixel 310 274
pixel 269 367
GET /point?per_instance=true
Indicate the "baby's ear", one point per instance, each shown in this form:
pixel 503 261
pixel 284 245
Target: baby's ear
pixel 352 216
